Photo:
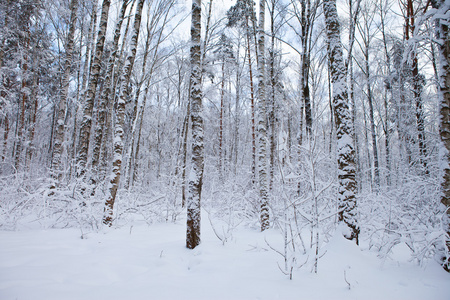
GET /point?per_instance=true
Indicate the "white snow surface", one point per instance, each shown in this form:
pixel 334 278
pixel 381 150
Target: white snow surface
pixel 151 262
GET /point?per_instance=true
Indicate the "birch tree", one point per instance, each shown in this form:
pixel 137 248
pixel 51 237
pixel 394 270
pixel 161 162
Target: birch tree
pixel 105 97
pixel 305 15
pixel 353 20
pixel 158 19
pixel 120 118
pixel 262 126
pixel 61 110
pixel 410 14
pixel 243 15
pixel 86 123
pixel 197 161
pixel 224 53
pixel 442 18
pixel 367 35
pixel 383 9
pixel 23 43
pixel 344 132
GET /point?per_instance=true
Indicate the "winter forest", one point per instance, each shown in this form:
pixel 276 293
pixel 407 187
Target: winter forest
pixel 320 128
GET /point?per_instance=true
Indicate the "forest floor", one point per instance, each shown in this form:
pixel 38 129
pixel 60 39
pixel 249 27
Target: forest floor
pixel 151 262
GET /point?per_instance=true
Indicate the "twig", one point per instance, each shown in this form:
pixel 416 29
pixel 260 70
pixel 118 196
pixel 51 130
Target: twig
pixel 345 278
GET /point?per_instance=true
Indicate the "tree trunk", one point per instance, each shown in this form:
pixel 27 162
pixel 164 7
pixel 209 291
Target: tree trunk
pixel 86 123
pixel 273 83
pixel 344 132
pixel 417 83
pixel 20 125
pixel 306 98
pixel 353 18
pixel 388 86
pixel 222 94
pixel 120 118
pixel 195 96
pixel 372 120
pixel 420 117
pixel 444 128
pixel 358 175
pixel 33 114
pixel 367 146
pixel 237 109
pixel 23 102
pixel 105 97
pixel 387 139
pixel 262 126
pixel 330 104
pixel 90 41
pixel 184 159
pixel 61 109
pixel 163 7
pixel 252 104
pixel 136 114
pixel 5 137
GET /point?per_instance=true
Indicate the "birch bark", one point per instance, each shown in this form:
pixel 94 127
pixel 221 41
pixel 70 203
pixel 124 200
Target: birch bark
pixel 61 112
pixel 195 95
pixel 105 97
pixel 262 126
pixel 86 123
pixel 444 128
pixel 344 132
pixel 120 118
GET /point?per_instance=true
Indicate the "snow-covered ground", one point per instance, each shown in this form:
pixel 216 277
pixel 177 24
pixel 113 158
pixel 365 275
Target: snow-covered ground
pixel 151 262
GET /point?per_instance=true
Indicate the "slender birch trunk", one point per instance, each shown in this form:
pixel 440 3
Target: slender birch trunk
pixel 134 177
pixel 33 115
pixel 236 108
pixel 195 96
pixel 252 104
pixel 61 109
pixel 86 123
pixel 330 104
pixel 120 118
pixel 184 159
pixel 367 146
pixel 352 100
pixel 353 19
pixel 23 102
pixel 222 94
pixel 273 83
pixel 444 128
pixel 5 137
pixel 388 86
pixel 371 117
pixel 344 130
pixel 135 114
pixel 416 78
pixel 306 97
pixel 152 30
pixel 262 126
pixel 89 43
pixel 116 76
pixel 105 97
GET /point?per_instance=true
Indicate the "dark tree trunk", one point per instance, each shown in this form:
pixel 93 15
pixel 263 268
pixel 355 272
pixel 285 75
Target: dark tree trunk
pixel 195 96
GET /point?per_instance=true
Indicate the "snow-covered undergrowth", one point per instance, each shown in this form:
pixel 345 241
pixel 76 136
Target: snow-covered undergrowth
pixel 408 214
pixel 54 246
pixel 151 262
